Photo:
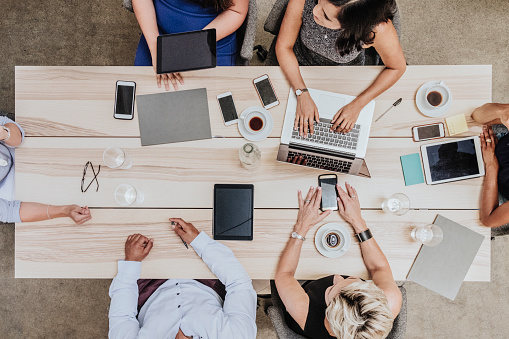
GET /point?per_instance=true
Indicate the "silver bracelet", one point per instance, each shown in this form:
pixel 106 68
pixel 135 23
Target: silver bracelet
pixel 47 212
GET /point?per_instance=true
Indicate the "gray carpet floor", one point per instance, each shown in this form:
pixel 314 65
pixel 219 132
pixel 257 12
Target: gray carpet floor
pixel 65 32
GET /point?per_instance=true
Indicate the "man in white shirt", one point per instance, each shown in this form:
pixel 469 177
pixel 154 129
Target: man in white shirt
pixel 183 308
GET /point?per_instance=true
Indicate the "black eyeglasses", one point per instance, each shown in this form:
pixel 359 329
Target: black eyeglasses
pixel 94 178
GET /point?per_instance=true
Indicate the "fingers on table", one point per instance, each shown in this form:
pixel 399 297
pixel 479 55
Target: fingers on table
pixel 179 78
pixel 158 77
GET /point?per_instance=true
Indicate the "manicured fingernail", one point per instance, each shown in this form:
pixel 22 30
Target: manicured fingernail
pixel 311 187
pixel 151 239
pixel 298 191
pixel 319 188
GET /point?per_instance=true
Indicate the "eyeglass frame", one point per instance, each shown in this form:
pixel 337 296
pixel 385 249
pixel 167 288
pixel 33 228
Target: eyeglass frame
pixel 94 178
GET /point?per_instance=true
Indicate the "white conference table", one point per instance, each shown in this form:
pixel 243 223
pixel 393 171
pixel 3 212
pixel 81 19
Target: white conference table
pixel 67 113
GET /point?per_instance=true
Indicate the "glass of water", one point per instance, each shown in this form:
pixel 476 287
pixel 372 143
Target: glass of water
pixel 126 195
pixel 397 204
pixel 115 157
pixel 429 235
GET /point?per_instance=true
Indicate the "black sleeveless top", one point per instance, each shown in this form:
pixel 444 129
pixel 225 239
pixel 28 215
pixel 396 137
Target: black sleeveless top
pixel 314 327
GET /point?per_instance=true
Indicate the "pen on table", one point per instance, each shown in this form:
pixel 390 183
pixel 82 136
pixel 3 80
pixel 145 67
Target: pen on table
pixel 388 109
pixel 185 244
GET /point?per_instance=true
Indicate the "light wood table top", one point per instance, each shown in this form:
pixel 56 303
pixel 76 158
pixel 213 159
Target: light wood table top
pixel 67 113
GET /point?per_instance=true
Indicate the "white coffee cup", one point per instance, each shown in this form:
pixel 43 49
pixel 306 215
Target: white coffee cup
pixel 333 240
pixel 252 125
pixel 437 96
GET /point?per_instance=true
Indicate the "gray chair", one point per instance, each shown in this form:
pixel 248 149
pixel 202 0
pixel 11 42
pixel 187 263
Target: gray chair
pixel 276 315
pixel 246 33
pixel 275 17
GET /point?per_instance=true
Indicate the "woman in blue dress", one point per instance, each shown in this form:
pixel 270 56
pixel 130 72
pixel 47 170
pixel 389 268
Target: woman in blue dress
pixel 176 16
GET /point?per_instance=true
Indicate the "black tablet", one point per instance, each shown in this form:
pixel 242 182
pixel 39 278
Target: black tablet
pixel 186 51
pixel 233 212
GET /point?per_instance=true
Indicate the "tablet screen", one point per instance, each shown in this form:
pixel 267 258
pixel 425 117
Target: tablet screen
pixel 452 160
pixel 186 51
pixel 233 212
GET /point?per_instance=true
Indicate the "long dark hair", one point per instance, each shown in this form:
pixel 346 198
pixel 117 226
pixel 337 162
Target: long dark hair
pixel 358 18
pixel 217 4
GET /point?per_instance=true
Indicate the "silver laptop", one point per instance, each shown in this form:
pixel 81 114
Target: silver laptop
pixel 343 153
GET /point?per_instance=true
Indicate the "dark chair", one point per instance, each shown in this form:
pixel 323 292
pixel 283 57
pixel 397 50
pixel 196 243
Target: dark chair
pixel 275 17
pixel 276 315
pixel 245 34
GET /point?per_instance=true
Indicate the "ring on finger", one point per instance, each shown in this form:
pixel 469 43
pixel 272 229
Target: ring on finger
pixel 307 200
pixel 488 140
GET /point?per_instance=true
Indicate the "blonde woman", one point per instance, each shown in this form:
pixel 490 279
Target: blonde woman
pixel 338 306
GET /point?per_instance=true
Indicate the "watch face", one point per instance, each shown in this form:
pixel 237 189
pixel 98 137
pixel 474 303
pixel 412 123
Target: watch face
pixel 298 92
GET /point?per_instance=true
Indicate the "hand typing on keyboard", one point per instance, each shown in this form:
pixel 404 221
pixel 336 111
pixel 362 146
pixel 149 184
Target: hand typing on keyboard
pixel 305 115
pixel 345 118
pixel 324 136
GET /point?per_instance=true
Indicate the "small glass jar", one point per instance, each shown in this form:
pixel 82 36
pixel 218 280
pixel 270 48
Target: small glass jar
pixel 249 156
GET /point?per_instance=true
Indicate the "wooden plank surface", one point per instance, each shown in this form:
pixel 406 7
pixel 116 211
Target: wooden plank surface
pixel 183 175
pixel 57 249
pixel 78 101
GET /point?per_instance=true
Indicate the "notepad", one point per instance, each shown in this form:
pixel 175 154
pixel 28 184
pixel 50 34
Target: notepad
pixel 443 268
pixel 412 169
pixel 456 124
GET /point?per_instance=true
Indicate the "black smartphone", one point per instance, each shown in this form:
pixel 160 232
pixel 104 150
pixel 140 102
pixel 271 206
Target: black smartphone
pixel 328 184
pixel 124 100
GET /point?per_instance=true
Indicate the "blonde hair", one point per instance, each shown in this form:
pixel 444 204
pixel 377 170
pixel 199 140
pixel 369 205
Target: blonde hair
pixel 360 311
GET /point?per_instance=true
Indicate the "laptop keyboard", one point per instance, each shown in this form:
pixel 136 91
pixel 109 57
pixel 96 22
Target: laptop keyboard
pixel 323 135
pixel 321 162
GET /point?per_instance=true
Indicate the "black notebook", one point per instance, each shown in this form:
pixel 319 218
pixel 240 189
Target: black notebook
pixel 233 212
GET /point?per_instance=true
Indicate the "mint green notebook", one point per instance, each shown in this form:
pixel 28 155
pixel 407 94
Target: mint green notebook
pixel 412 169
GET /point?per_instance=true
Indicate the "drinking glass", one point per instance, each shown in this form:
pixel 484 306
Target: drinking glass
pixel 115 157
pixel 429 235
pixel 126 195
pixel 397 204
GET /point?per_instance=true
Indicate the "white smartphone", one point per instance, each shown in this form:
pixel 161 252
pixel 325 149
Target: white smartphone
pixel 266 91
pixel 124 100
pixel 227 107
pixel 428 132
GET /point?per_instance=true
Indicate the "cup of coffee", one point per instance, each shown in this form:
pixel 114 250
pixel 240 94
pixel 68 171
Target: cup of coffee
pixel 437 95
pixel 254 122
pixel 332 240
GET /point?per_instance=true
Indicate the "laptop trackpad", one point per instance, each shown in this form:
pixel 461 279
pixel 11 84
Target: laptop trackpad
pixel 329 105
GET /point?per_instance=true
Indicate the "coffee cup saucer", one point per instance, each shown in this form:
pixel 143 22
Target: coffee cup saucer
pixel 422 105
pixel 332 226
pixel 264 132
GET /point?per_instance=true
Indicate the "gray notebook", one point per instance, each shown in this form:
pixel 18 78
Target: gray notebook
pixel 443 268
pixel 174 117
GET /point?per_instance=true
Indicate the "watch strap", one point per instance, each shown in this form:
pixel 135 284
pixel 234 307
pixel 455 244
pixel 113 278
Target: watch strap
pixel 296 235
pixel 302 90
pixel 364 236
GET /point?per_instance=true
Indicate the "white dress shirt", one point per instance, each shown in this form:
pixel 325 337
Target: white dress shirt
pixel 186 304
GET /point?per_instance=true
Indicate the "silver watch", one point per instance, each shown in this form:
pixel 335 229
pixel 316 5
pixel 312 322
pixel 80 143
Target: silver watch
pixel 296 235
pixel 8 132
pixel 298 92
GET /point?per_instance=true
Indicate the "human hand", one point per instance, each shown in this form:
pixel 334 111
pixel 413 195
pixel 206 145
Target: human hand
pixel 78 214
pixel 171 77
pixel 137 247
pixel 298 159
pixel 350 208
pixel 309 213
pixel 345 118
pixel 488 143
pixel 305 114
pixel 184 229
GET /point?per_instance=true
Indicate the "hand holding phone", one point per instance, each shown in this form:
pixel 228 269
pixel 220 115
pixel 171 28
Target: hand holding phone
pixel 329 194
pixel 124 100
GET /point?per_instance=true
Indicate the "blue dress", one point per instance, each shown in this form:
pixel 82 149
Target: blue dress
pixel 177 16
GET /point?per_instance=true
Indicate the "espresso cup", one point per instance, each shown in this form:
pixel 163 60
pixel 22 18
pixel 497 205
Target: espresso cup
pixel 254 122
pixel 332 240
pixel 436 96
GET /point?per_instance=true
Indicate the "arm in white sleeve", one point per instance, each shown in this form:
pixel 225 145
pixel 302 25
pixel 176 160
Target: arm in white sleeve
pixel 9 210
pixel 124 301
pixel 240 302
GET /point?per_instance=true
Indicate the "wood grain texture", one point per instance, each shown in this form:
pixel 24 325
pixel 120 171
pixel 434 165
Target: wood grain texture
pixel 58 249
pixel 78 101
pixel 183 175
